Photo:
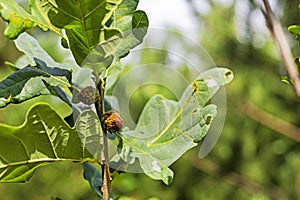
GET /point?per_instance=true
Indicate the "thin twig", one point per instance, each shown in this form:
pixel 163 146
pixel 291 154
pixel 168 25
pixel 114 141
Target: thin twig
pixel 281 42
pixel 104 160
pixel 271 121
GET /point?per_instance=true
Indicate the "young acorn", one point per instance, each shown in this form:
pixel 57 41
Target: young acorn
pixel 112 121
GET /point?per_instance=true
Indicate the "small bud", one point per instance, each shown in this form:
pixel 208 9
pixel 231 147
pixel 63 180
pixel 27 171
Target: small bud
pixel 88 95
pixel 113 121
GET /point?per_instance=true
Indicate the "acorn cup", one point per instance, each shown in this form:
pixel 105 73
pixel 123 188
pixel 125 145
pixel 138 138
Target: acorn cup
pixel 112 121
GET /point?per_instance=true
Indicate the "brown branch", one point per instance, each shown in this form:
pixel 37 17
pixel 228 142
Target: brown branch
pixel 104 160
pixel 271 121
pixel 281 42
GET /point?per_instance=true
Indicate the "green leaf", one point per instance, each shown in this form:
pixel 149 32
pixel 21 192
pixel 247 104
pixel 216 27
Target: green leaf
pixel 295 29
pixel 134 28
pixel 19 20
pixel 97 60
pixel 206 85
pixel 111 103
pixel 32 49
pixel 83 21
pixel 45 138
pixel 285 78
pixel 140 24
pixel 94 177
pixel 133 24
pixel 167 129
pixel 28 83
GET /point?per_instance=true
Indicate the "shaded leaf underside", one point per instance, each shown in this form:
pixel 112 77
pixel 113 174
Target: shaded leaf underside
pixel 27 83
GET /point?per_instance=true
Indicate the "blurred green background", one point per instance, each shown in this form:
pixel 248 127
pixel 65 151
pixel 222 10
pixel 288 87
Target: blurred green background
pixel 253 159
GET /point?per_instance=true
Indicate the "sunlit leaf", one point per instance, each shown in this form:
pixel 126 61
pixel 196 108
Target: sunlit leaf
pixel 295 29
pixel 286 79
pixel 134 28
pixel 45 138
pixel 132 25
pixel 32 49
pixel 83 21
pixel 19 20
pixel 167 129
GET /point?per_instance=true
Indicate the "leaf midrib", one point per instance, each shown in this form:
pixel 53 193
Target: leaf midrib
pixel 41 160
pixel 173 121
pixel 166 128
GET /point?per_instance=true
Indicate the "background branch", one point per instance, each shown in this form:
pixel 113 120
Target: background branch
pixel 238 180
pixel 281 42
pixel 271 121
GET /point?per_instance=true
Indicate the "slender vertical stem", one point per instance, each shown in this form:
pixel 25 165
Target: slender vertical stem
pixel 104 160
pixel 105 171
pixel 283 46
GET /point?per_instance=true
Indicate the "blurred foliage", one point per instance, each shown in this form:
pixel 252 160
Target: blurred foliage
pixel 250 160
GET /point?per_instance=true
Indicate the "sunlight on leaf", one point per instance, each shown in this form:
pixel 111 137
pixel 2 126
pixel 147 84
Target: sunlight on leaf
pixel 45 138
pixel 19 20
pixel 83 21
pixel 167 129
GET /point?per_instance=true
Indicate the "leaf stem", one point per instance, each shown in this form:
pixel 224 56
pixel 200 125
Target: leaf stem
pixel 104 160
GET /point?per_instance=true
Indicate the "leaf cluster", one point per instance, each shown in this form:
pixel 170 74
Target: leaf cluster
pixel 98 34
